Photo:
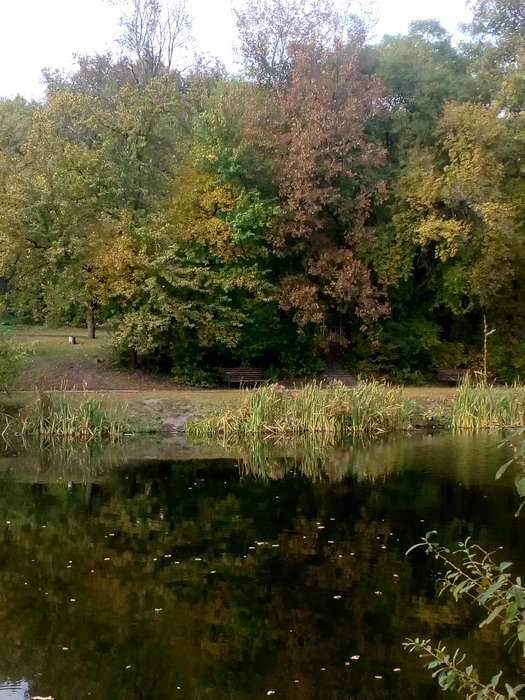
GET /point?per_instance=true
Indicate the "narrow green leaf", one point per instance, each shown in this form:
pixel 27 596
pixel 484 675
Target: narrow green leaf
pixel 503 468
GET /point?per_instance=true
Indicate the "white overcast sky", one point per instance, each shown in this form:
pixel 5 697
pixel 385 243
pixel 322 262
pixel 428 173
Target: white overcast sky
pixel 46 33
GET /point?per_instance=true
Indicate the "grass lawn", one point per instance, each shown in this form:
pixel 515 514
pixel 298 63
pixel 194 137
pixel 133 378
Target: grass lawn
pixel 54 363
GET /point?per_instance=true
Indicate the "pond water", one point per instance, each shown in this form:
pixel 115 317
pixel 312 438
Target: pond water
pixel 153 570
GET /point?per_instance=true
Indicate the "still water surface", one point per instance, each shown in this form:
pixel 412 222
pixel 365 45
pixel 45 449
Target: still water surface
pixel 153 571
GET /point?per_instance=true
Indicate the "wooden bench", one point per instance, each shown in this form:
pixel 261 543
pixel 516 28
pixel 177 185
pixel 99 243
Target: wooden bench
pixel 451 376
pixel 242 376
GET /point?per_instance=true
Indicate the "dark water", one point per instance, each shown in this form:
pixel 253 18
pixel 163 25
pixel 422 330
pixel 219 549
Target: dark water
pixel 129 573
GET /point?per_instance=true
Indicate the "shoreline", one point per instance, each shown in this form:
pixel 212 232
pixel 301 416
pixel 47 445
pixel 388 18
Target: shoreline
pixel 161 411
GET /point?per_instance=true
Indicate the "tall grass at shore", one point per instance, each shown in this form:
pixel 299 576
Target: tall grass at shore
pixel 61 416
pixel 479 405
pixel 337 410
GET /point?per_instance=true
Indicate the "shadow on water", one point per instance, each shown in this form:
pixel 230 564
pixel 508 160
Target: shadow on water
pixel 160 569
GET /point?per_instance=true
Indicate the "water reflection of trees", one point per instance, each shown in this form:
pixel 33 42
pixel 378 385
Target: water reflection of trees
pixel 226 634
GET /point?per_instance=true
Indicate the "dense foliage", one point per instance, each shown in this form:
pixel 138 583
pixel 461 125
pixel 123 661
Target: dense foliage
pixel 335 202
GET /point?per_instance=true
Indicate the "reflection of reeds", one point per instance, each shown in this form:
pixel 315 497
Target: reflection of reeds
pixel 315 457
pixel 481 405
pixel 336 410
pixel 62 459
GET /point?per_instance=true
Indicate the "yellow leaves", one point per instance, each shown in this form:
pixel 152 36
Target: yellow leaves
pixel 111 256
pixel 195 212
pixel 420 182
pixel 468 125
pixel 448 234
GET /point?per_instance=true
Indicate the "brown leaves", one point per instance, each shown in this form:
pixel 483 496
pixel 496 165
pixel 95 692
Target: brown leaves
pixel 324 165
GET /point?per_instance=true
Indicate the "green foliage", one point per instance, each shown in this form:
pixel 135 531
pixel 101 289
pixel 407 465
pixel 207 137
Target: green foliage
pixel 471 573
pixel 11 362
pixel 453 672
pixel 193 374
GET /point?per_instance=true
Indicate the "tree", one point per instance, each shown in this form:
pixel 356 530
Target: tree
pixel 89 176
pixel 269 29
pixel 328 173
pixel 152 35
pixel 421 71
pixel 459 216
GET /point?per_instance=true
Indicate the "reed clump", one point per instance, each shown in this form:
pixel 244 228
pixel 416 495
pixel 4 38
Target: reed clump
pixel 336 410
pixel 479 405
pixel 60 416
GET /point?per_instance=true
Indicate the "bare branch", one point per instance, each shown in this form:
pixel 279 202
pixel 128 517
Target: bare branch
pixel 152 35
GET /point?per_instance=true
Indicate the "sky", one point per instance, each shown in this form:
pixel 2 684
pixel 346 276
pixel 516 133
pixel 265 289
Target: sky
pixel 47 33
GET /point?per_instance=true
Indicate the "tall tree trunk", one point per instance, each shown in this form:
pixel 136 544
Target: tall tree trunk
pixel 486 336
pixel 90 321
